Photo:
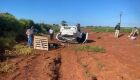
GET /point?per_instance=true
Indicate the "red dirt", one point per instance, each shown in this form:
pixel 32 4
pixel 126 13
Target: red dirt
pixel 120 61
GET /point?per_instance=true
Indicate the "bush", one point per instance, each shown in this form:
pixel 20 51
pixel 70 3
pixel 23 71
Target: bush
pixel 23 50
pixel 13 30
pixel 6 68
pixel 9 30
pixel 55 27
pixel 7 42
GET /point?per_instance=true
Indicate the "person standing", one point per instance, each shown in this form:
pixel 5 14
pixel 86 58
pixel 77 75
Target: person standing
pixel 117 30
pixel 33 31
pixel 51 33
pixel 29 36
pixel 78 27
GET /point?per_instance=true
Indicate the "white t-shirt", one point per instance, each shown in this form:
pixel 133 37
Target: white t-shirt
pixel 51 31
pixel 28 32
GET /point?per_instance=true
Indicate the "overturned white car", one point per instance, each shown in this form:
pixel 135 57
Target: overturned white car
pixel 71 34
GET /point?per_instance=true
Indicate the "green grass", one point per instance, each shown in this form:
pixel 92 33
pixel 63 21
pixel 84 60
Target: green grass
pixel 102 29
pixel 109 29
pixel 126 30
pixel 6 68
pixel 23 50
pixel 20 50
pixel 90 49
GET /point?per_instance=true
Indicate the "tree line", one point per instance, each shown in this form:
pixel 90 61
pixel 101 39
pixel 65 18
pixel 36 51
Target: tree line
pixel 12 30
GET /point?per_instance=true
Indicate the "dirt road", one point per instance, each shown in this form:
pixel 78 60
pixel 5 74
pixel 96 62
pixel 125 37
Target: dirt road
pixel 121 61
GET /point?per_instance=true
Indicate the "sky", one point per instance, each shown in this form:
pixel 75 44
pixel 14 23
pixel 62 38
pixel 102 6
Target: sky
pixel 85 12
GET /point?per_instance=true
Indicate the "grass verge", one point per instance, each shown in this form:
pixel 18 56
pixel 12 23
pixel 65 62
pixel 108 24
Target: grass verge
pixel 109 29
pixel 90 49
pixel 6 68
pixel 20 50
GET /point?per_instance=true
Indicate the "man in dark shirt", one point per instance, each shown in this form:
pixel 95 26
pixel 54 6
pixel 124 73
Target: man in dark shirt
pixel 117 30
pixel 78 27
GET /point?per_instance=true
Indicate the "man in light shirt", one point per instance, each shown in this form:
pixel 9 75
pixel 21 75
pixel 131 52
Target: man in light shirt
pixel 51 33
pixel 29 36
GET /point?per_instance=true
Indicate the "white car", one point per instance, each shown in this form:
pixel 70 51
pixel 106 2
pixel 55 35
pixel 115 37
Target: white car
pixel 71 34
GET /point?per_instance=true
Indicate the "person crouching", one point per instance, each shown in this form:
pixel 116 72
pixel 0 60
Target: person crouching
pixel 134 34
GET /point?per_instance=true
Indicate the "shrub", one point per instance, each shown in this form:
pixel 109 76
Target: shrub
pixel 9 30
pixel 13 30
pixel 6 68
pixel 7 42
pixel 23 50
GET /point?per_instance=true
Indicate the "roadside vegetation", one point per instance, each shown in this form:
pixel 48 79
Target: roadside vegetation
pixel 12 30
pixel 19 50
pixel 12 34
pixel 88 48
pixel 109 29
pixel 23 50
pixel 5 67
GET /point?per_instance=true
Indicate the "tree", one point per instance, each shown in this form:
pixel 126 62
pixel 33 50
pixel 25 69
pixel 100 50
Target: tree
pixel 13 30
pixel 26 23
pixel 64 23
pixel 9 30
